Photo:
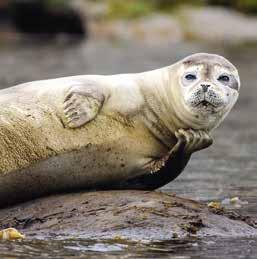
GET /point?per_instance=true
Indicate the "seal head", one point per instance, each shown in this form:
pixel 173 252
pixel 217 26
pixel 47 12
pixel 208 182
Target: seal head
pixel 208 87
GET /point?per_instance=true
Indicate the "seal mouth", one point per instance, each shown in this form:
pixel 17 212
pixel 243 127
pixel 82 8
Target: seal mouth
pixel 207 107
pixel 205 104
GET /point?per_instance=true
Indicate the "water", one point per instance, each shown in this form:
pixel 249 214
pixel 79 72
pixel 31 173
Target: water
pixel 208 248
pixel 227 169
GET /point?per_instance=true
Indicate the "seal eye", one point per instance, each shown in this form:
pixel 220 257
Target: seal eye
pixel 190 77
pixel 224 78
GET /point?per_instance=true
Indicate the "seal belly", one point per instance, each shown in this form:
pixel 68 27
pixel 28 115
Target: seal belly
pixel 40 156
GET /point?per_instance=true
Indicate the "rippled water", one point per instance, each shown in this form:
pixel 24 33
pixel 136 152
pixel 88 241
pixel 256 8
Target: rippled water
pixel 227 169
pixel 207 248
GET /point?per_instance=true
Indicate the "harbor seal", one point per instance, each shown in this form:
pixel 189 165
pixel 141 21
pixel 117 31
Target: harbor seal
pixel 126 131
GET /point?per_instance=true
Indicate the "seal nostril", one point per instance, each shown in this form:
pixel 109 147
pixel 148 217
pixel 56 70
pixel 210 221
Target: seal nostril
pixel 205 87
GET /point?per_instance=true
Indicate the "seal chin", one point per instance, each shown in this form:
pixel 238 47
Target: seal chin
pixel 205 108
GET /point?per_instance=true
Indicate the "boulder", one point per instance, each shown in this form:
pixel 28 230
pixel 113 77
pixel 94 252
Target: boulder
pixel 131 215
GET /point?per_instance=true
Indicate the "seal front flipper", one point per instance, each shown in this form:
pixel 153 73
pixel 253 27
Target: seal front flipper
pixel 188 142
pixel 164 170
pixel 81 105
pixel 192 140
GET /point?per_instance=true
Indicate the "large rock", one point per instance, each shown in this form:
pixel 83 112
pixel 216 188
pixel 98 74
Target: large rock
pixel 135 215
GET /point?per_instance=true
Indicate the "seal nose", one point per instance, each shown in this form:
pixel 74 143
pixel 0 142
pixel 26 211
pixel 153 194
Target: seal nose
pixel 205 87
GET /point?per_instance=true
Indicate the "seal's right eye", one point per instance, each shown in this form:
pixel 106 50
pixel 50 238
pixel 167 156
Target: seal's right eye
pixel 190 77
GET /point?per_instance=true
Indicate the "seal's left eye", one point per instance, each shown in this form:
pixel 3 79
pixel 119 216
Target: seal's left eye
pixel 224 78
pixel 190 77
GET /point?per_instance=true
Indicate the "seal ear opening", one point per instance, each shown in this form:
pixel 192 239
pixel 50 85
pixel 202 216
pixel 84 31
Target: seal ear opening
pixel 81 107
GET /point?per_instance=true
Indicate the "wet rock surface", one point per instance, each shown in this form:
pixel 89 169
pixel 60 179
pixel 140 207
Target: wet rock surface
pixel 132 215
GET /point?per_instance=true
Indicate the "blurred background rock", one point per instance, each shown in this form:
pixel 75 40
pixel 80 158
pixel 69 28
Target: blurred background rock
pixel 151 21
pixel 156 21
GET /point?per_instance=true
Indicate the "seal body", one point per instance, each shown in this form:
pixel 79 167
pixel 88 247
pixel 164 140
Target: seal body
pixel 40 155
pixel 93 132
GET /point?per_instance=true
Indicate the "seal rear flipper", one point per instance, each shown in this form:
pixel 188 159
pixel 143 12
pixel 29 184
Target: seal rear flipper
pixel 81 105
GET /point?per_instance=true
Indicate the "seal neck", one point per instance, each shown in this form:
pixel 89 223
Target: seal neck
pixel 158 113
